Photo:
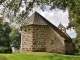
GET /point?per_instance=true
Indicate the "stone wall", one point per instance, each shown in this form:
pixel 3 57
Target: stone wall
pixel 43 38
pixel 69 47
pixel 39 38
pixel 26 39
pixel 58 45
pixel 33 38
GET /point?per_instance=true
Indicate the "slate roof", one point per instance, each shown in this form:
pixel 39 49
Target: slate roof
pixel 37 19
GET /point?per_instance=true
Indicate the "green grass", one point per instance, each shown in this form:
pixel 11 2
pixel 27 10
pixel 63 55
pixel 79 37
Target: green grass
pixel 38 56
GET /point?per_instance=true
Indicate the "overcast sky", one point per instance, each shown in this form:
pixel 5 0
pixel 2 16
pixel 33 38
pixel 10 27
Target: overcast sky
pixel 56 16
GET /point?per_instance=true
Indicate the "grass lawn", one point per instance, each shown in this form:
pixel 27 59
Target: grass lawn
pixel 38 56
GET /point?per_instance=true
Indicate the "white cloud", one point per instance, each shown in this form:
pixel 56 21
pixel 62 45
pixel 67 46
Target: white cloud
pixel 56 16
pixel 72 33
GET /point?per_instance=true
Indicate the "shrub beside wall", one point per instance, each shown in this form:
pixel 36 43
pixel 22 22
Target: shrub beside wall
pixel 6 50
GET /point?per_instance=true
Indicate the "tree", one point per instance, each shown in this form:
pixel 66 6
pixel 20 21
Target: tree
pixel 15 38
pixel 5 30
pixel 12 8
pixel 73 6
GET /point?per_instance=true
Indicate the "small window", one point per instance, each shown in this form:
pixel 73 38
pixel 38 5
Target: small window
pixel 52 42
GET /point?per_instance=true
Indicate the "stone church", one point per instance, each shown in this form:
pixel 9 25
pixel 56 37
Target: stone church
pixel 40 35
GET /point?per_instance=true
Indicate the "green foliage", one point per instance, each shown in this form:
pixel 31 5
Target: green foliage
pixel 12 9
pixel 6 50
pixel 39 56
pixel 13 6
pixel 15 37
pixel 1 19
pixel 77 45
pixel 23 26
pixel 5 30
pixel 21 18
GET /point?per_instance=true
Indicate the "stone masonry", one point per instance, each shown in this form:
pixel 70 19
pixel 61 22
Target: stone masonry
pixel 40 35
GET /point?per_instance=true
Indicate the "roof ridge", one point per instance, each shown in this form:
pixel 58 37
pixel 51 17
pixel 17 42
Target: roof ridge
pixel 34 16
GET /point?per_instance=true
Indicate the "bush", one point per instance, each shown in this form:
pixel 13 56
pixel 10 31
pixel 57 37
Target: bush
pixel 0 51
pixel 6 50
